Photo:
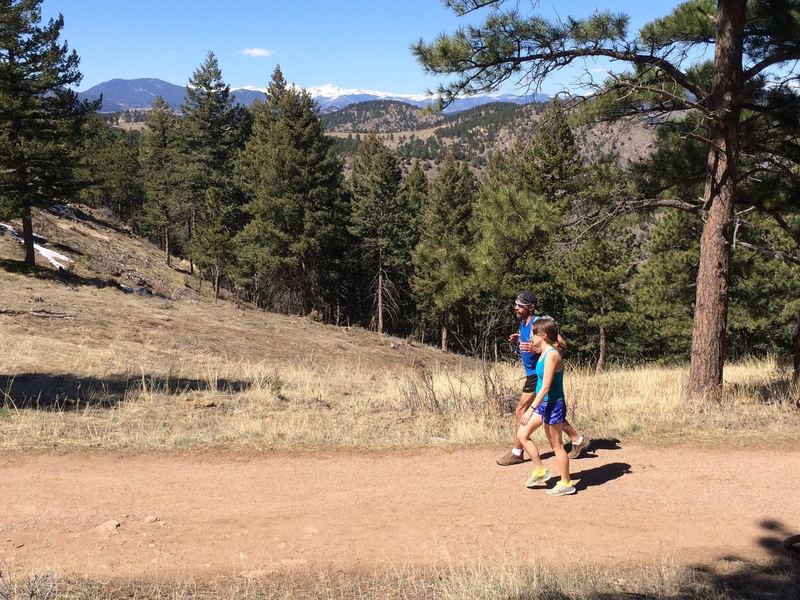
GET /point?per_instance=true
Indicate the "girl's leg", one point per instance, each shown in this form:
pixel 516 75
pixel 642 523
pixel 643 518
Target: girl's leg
pixel 554 433
pixel 524 439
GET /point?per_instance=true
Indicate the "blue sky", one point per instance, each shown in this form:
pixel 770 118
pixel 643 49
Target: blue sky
pixel 349 43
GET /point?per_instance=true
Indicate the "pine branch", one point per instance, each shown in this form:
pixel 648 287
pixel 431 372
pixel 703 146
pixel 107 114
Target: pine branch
pixel 786 55
pixel 464 7
pixel 679 102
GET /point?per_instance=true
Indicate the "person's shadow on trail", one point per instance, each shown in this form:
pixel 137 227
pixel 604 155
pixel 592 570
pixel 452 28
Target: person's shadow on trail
pixel 591 450
pixel 601 444
pixel 600 475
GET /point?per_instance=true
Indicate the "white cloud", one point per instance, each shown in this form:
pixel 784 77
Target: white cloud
pixel 258 52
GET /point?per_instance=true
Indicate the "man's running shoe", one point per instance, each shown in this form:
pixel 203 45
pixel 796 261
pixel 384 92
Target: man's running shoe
pixel 579 446
pixel 509 458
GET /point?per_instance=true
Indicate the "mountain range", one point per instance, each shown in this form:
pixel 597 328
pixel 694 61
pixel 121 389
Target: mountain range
pixel 120 95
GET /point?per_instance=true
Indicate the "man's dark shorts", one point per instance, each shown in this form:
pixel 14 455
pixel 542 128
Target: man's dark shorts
pixel 530 384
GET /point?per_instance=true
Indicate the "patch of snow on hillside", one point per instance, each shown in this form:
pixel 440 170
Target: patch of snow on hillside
pixel 52 256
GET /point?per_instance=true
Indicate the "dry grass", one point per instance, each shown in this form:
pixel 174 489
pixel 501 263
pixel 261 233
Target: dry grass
pixel 136 397
pixel 722 581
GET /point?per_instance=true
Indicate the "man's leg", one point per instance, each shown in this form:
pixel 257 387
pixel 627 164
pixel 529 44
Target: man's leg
pixel 571 432
pixel 579 442
pixel 524 403
pixel 514 457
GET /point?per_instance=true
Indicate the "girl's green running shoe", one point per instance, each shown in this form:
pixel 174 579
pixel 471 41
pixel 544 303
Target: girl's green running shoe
pixel 538 478
pixel 562 489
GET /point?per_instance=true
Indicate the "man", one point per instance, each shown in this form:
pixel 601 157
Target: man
pixel 524 308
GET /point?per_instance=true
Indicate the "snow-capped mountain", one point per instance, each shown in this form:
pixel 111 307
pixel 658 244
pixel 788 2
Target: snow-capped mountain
pixel 136 94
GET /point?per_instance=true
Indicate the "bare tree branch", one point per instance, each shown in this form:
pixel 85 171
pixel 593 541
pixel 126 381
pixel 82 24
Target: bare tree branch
pixel 604 215
pixel 771 253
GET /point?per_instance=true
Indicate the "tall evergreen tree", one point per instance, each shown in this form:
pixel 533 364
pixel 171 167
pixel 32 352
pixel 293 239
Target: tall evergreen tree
pixel 383 223
pixel 549 163
pixel 441 259
pixel 159 162
pixel 765 294
pixel 213 131
pixel 212 246
pixel 662 290
pixel 750 39
pixel 521 209
pixel 766 233
pixel 595 277
pixel 291 251
pixel 40 115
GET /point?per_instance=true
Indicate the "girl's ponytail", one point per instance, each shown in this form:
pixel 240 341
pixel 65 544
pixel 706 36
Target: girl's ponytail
pixel 561 344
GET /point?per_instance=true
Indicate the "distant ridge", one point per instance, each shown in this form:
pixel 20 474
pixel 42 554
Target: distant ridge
pixel 136 94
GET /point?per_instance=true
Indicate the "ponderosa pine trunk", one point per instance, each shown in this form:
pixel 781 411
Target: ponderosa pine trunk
pixel 27 235
pixel 166 246
pixel 711 296
pixel 380 301
pixel 601 357
pixel 796 370
pixel 191 235
pixel 444 338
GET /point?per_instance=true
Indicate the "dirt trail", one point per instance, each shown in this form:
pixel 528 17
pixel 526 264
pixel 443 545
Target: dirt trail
pixel 230 514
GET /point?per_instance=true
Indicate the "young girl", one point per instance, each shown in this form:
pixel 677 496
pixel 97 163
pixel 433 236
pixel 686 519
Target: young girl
pixel 548 408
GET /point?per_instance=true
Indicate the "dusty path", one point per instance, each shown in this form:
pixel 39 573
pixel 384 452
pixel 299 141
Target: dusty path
pixel 230 514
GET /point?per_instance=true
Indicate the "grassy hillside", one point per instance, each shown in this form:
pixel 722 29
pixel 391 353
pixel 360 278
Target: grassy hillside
pixel 121 351
pixel 118 311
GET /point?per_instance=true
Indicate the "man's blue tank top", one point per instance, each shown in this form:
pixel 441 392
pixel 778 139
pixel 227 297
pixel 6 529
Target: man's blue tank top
pixel 556 391
pixel 529 359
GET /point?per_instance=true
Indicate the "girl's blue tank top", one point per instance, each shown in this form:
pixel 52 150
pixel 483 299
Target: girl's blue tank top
pixel 556 391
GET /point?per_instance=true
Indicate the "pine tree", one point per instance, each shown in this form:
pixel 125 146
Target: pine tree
pixel 291 253
pixel 383 223
pixel 521 209
pixel 766 234
pixel 662 290
pixel 595 277
pixel 441 259
pixel 40 115
pixel 550 163
pixel 765 294
pixel 159 163
pixel 213 131
pixel 212 246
